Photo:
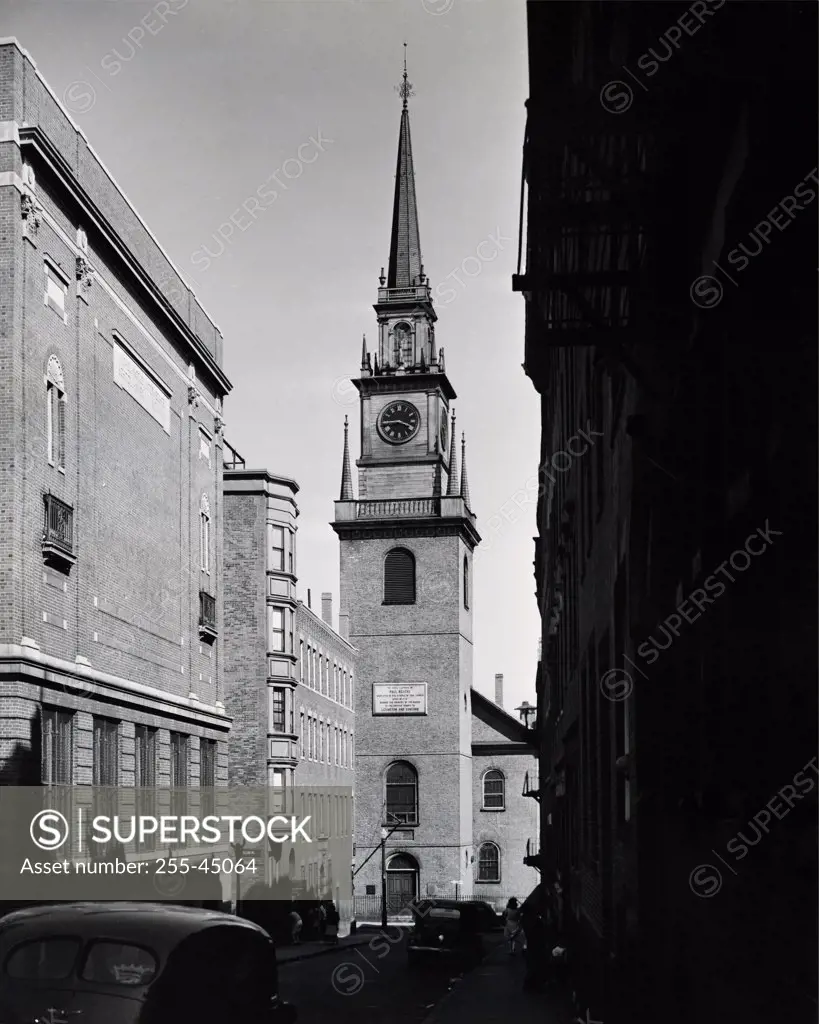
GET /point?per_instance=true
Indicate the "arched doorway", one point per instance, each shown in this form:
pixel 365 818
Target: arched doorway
pixel 402 881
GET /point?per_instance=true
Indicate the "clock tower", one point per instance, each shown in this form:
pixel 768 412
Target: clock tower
pixel 406 548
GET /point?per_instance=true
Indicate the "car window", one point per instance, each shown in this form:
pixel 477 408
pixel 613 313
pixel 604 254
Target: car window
pixel 43 959
pixel 112 963
pixel 439 912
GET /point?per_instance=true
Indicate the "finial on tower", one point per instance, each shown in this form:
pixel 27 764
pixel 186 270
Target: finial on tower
pixel 346 474
pixel 464 481
pixel 405 90
pixel 382 280
pixel 363 351
pixel 452 482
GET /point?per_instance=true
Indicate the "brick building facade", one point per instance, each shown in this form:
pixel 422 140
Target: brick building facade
pixel 260 615
pixel 676 557
pixel 325 706
pixel 289 677
pixel 111 389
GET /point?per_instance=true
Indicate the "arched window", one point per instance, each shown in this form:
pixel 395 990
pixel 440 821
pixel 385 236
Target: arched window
pixel 466 582
pixel 402 794
pixel 204 533
pixel 399 577
pixel 402 345
pixel 55 413
pixel 488 863
pixel 494 790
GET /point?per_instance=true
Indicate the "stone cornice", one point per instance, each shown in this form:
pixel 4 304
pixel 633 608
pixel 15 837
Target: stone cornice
pixel 24 661
pixel 34 137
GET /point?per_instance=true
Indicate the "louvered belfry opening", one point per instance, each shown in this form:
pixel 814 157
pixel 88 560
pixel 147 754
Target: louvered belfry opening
pixel 399 577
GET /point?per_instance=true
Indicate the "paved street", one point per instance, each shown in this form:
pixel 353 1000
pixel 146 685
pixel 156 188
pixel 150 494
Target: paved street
pixel 369 983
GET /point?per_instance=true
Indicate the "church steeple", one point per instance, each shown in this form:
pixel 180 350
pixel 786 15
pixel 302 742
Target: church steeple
pixel 406 318
pixel 405 245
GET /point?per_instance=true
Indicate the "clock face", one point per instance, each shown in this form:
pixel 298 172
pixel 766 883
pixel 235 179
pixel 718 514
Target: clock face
pixel 399 422
pixel 443 432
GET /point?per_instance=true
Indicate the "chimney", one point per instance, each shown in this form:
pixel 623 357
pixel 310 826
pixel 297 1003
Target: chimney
pixel 499 689
pixel 309 596
pixel 327 609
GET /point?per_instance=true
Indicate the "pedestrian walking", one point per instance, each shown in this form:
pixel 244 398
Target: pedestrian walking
pixel 296 925
pixel 333 921
pixel 322 921
pixel 512 928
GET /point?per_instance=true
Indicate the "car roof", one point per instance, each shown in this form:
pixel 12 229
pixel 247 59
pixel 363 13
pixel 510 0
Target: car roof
pixel 160 925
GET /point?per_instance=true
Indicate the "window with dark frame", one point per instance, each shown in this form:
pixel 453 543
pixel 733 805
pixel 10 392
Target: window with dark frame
pixel 402 794
pixel 279 701
pixel 207 763
pixel 399 577
pixel 106 752
pixel 180 759
pixel 56 768
pixel 145 756
pixel 466 583
pixel 145 775
pixel 488 863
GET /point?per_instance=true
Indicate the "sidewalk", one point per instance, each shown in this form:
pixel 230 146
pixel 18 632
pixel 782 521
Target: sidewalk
pixel 493 994
pixel 286 954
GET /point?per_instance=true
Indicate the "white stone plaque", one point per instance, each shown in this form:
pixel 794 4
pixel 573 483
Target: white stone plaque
pixel 130 376
pixel 399 698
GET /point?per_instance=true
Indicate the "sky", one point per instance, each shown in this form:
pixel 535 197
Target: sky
pixel 197 107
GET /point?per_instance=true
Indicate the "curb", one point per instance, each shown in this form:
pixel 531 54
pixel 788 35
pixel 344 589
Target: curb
pixel 329 948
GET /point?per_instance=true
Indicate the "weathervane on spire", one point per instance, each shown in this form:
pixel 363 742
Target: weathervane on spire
pixel 405 90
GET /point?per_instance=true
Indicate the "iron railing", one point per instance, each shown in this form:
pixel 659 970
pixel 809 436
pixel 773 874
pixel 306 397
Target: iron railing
pixel 398 508
pixel 58 528
pixel 207 612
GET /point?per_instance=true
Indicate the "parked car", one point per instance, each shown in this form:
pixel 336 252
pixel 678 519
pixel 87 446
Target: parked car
pixel 489 918
pixel 136 963
pixel 446 931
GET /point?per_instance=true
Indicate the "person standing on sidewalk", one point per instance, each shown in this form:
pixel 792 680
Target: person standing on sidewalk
pixel 295 927
pixel 512 925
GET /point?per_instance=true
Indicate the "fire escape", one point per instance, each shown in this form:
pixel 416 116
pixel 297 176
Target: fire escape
pixel 588 196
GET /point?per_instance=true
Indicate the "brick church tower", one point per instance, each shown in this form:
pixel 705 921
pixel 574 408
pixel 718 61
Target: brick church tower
pixel 406 547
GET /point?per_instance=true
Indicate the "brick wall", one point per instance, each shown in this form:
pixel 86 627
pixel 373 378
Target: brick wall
pixel 430 642
pixel 128 609
pixel 245 647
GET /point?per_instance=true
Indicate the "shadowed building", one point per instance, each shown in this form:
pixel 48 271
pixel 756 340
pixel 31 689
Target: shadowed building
pixel 670 288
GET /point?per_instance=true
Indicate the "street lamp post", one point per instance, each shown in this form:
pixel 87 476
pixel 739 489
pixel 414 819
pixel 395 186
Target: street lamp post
pixel 384 835
pixel 238 853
